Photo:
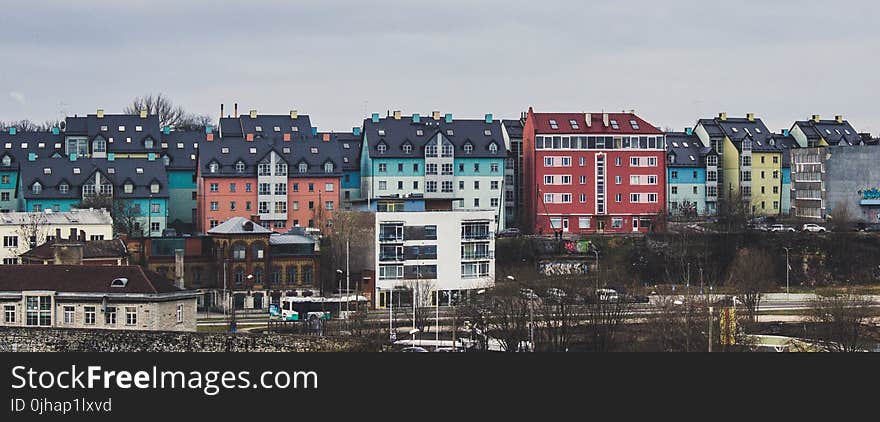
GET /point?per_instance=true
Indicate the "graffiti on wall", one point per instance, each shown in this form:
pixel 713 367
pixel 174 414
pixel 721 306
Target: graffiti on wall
pixel 551 268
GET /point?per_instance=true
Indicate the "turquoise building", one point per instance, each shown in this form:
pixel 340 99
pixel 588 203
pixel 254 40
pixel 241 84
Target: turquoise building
pixel 687 175
pixel 180 157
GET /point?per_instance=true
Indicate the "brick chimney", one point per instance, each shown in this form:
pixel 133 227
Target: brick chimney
pixel 68 254
pixel 178 267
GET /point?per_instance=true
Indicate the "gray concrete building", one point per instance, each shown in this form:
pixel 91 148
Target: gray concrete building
pixel 827 178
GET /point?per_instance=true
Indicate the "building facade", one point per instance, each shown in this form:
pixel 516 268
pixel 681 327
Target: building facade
pixel 692 170
pixel 513 171
pixel 426 254
pixel 94 296
pixel 592 173
pixel 23 231
pixel 826 179
pixel 436 158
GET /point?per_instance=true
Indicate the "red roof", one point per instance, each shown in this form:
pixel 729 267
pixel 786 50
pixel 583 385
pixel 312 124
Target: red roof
pixel 597 126
pixel 83 279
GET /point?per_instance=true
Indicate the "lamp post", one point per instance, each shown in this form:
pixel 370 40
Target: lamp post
pixel 596 251
pixel 339 289
pixel 787 267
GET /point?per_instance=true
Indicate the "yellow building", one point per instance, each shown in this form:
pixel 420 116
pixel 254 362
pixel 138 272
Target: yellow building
pixel 750 160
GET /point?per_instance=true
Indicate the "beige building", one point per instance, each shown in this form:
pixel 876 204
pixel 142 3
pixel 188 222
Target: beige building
pixel 23 231
pixel 96 297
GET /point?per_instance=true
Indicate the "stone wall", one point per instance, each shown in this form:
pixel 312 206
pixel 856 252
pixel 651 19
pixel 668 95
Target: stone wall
pixel 16 339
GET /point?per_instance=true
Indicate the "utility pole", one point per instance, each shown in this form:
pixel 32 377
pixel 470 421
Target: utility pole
pixel 787 267
pixel 347 277
pixel 710 329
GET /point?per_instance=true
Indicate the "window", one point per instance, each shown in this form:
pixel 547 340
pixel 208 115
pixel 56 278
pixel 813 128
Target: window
pixel 476 202
pixel 381 148
pixel 328 167
pixel 614 125
pixel 476 167
pixel 303 167
pixel 447 169
pixel 10 241
pixel 476 185
pixel 264 169
pixel 9 314
pixel 583 180
pixel 155 227
pixel 281 189
pixel 155 208
pixel 4 196
pixel 263 207
pixel 432 168
pixel 618 198
pixel 131 316
pixel 213 167
pixel 616 223
pixel 447 186
pixel 674 190
pixel 494 202
pixel 215 206
pixel 69 314
pixel 239 167
pixel 583 198
pixel 430 186
pixel 247 187
pixel 383 185
pixel 553 124
pixel 110 315
pixel 583 222
pixel 328 205
pixel 215 187
pixel 154 187
pixel 264 188
pixel 618 180
pixel 179 313
pixel 89 315
pixel 468 148
pixel 493 185
pixel 37 188
pixel 493 168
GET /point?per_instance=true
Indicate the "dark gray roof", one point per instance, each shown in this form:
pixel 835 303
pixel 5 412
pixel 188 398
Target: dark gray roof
pixel 123 170
pixel 514 128
pixel 244 125
pixel 182 147
pixel 833 132
pixel 18 146
pixel 398 132
pixel 349 148
pixel 687 149
pixel 129 140
pixel 739 129
pixel 786 143
pixel 299 149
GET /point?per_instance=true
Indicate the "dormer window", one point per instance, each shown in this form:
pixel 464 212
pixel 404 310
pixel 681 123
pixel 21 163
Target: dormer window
pixel 47 170
pixel 734 130
pixel 167 160
pixel 487 132
pixel 449 132
pixel 154 187
pixel 493 148
pixel 213 167
pixel 7 161
pixel 407 148
pixel 381 148
pixel 138 128
pixel 294 129
pixel 99 145
pixel 634 124
pixel 381 132
pixel 313 150
pixel 346 146
pixel 139 170
pixel 63 188
pixel 277 128
pixel 303 167
pixel 758 130
pixel 104 128
pixel 239 167
pixel 285 150
pixel 180 145
pixel 419 132
pixel 119 282
pixel 614 125
pixel 111 170
pixel 77 170
pixel 574 124
pixel 128 187
pixel 148 143
pixel 259 128
pixel 224 150
pixel 328 167
pixel 252 150
pixel 36 188
pixel 121 128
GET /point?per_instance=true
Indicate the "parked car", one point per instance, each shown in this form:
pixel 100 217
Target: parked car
pixel 511 232
pixel 782 228
pixel 815 228
pixel 414 349
pixel 871 228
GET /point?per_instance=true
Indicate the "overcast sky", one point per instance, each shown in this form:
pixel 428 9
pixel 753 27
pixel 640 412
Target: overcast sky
pixel 672 61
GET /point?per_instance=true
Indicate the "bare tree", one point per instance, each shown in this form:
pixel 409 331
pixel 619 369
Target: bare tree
pixel 733 212
pixel 26 125
pixel 169 114
pixel 750 275
pixel 126 214
pixel 841 217
pixel 507 318
pixel 422 292
pixel 841 323
pixel 356 229
pixel 31 231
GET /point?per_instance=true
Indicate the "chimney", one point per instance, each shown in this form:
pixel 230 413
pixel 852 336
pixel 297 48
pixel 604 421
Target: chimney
pixel 606 120
pixel 56 131
pixel 286 137
pixel 489 118
pixel 722 116
pixel 253 114
pixel 815 118
pixel 396 114
pixel 12 131
pixel 689 130
pixel 314 131
pixel 57 234
pixel 100 113
pixel 82 235
pixel 750 117
pixel 326 137
pixel 785 132
pixel 416 118
pixel 166 130
pixel 67 254
pixel 221 112
pixel 143 113
pixel 375 117
pixel 356 131
pixel 588 117
pixel 178 267
pixel 448 117
pixel 73 234
pixel 235 111
pixel 435 115
pixel 293 114
pixel 839 119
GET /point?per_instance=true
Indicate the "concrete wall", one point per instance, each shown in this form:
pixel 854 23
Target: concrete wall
pixel 851 170
pixel 77 340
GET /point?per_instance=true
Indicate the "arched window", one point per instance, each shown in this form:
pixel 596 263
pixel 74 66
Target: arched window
pixel 381 148
pixel 37 188
pixel 239 167
pixel 468 148
pixel 258 275
pixel 276 275
pixel 213 167
pixel 407 148
pixel 167 160
pixel 7 161
pixel 239 276
pixel 328 167
pixel 292 274
pixel 493 148
pixel 148 143
pixel 303 167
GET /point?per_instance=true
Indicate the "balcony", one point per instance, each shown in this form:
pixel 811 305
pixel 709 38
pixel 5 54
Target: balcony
pixel 395 238
pixel 391 258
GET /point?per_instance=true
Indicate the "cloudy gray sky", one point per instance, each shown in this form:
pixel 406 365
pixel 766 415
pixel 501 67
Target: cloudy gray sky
pixel 672 61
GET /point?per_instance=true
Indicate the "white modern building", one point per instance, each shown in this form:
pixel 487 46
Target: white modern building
pixel 422 253
pixel 23 231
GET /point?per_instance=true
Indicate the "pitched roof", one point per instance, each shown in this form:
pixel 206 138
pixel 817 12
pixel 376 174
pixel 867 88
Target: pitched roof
pixel 129 139
pixel 83 279
pixel 228 151
pixel 117 171
pixel 239 225
pixel 833 131
pixel 786 142
pixel 687 149
pixel 20 145
pixel 182 147
pixel 563 124
pixel 243 125
pixel 349 148
pixel 75 216
pixel 514 128
pixel 395 133
pixel 113 248
pixel 739 129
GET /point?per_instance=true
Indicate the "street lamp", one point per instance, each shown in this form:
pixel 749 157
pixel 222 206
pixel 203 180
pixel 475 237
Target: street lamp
pixel 339 283
pixel 787 267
